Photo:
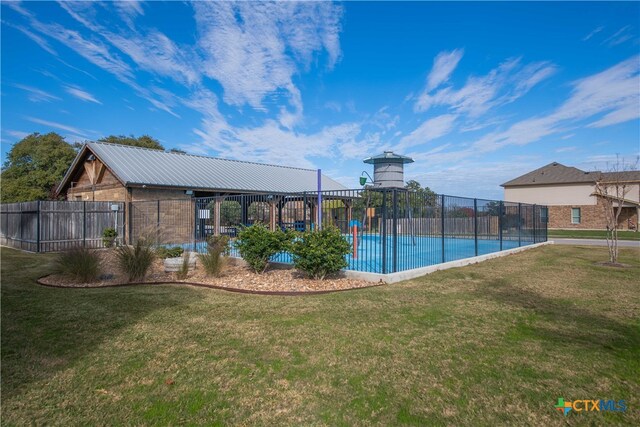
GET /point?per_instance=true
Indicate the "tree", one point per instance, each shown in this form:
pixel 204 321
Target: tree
pixel 611 189
pixel 177 151
pixel 144 141
pixel 34 166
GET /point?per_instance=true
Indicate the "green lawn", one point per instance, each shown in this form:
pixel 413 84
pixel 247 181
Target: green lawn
pixel 592 234
pixel 491 344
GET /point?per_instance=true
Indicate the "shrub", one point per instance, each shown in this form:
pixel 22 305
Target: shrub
pixel 173 252
pixel 109 236
pixel 135 260
pixel 319 253
pixel 184 268
pixel 79 264
pixel 212 261
pixel 257 244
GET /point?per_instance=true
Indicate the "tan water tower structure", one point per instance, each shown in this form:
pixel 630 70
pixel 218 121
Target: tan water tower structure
pixel 388 169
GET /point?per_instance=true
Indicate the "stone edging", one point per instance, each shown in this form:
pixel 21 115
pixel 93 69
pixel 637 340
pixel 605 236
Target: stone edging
pixel 204 285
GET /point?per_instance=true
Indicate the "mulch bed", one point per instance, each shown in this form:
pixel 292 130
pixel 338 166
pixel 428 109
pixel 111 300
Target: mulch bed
pixel 234 277
pixel 613 264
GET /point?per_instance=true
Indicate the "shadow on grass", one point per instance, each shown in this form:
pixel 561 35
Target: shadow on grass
pixel 46 330
pixel 572 325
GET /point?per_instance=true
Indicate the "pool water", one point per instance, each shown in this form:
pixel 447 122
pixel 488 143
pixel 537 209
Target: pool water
pixel 411 252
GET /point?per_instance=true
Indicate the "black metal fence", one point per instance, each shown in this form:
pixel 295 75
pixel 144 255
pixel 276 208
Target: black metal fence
pixel 389 230
pixel 48 226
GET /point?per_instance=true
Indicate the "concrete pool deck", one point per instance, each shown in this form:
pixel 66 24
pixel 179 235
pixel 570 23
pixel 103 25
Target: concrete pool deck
pixel 416 272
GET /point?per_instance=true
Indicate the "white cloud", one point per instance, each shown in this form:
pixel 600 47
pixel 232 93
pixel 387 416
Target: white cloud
pixel 593 33
pixel 18 134
pixel 56 125
pixel 37 95
pixel 81 94
pixel 129 10
pixel 566 149
pixel 333 105
pixel 245 46
pixel 504 84
pixel 619 37
pixel 454 178
pixel 429 130
pixel 443 66
pixel 613 92
pixel 156 53
pixel 36 38
pixel 93 50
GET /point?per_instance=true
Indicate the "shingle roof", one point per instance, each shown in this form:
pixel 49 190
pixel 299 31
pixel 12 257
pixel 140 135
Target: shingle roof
pixel 556 173
pixel 143 166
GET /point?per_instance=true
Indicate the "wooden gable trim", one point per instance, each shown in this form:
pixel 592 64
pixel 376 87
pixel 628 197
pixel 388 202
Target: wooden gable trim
pixel 80 162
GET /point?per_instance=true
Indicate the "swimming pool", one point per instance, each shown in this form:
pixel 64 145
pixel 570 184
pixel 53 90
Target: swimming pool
pixel 410 252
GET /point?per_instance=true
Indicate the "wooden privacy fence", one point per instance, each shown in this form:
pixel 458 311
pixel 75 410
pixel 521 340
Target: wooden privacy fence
pixel 487 226
pixel 49 226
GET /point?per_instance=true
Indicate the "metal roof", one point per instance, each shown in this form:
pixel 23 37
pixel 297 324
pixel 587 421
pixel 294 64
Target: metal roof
pixel 556 173
pixel 388 156
pixel 143 166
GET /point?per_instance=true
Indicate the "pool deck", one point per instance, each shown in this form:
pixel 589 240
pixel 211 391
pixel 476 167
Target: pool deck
pixel 417 272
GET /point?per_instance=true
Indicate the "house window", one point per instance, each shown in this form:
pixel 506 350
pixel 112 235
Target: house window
pixel 575 216
pixel 544 215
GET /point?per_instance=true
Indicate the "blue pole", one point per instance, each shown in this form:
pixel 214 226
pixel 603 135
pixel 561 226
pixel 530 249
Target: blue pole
pixel 319 226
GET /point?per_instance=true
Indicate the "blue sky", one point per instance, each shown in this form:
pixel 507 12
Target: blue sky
pixel 477 93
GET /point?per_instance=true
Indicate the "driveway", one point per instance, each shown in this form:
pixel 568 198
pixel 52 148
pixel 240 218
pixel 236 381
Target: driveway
pixel 596 242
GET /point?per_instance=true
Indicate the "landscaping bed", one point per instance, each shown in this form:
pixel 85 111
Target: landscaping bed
pixel 234 276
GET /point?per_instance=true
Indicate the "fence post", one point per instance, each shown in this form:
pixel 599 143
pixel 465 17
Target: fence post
pixel 475 223
pixel 195 224
pixel 84 223
pixel 395 230
pixel 130 227
pixel 124 216
pixel 158 223
pixel 442 226
pixel 501 207
pixel 304 211
pixel 21 241
pixel 38 228
pixel 519 224
pixel 384 232
pixel 534 223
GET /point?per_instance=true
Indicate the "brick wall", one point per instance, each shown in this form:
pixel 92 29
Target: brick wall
pixel 592 217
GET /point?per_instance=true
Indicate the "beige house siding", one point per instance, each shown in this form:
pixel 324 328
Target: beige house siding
pixel 552 195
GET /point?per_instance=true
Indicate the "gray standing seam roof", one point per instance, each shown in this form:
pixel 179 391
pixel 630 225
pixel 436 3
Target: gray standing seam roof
pixel 144 166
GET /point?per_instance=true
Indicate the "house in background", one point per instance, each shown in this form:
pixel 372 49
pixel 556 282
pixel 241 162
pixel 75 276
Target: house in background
pixel 570 196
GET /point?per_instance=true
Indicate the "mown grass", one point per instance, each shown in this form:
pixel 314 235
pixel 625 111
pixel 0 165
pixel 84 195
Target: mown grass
pixel 491 344
pixel 592 234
